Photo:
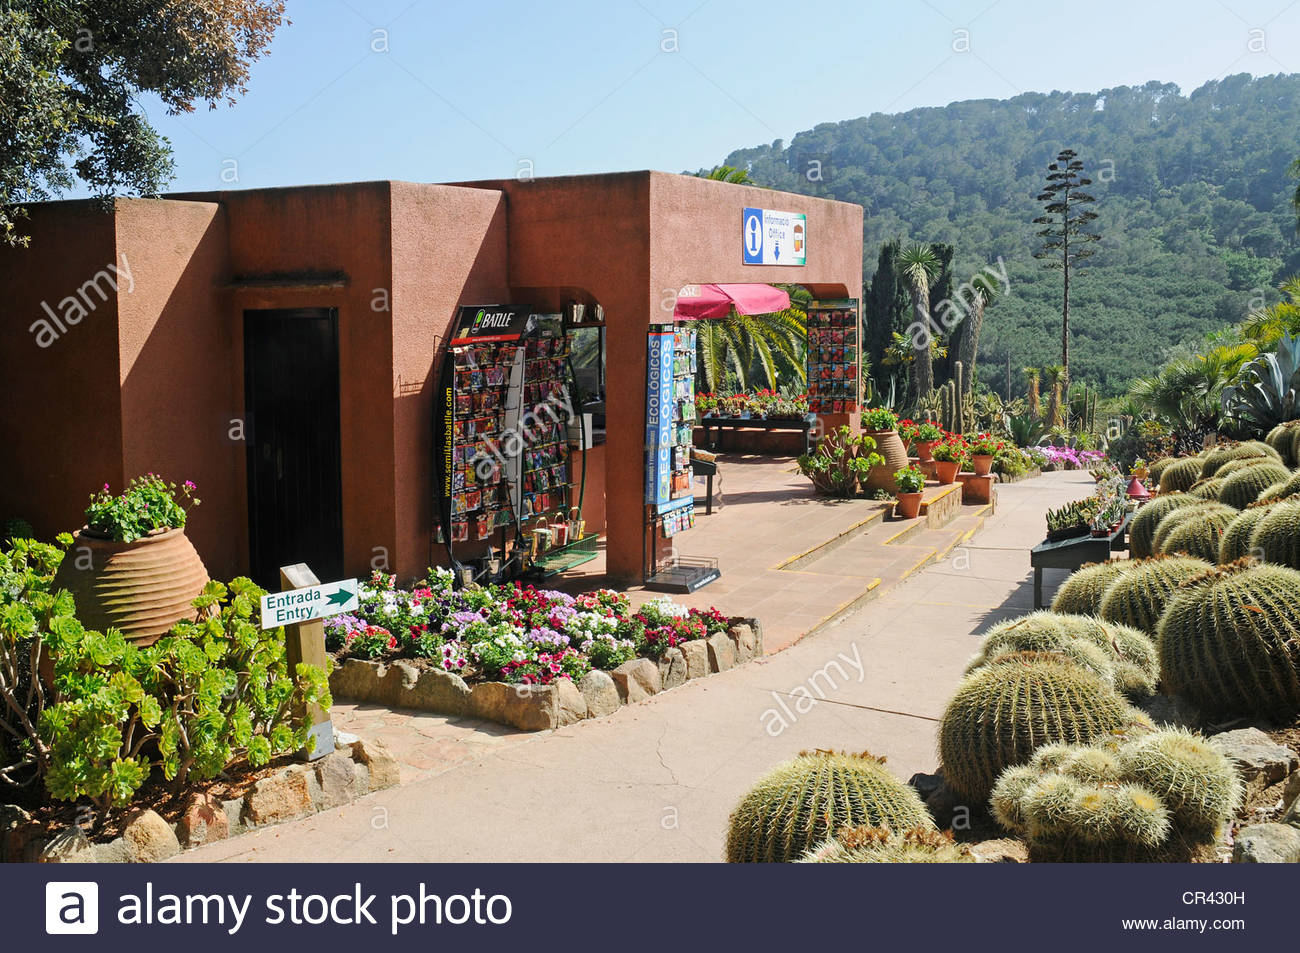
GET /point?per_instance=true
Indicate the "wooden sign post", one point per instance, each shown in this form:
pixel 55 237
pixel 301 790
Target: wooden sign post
pixel 305 642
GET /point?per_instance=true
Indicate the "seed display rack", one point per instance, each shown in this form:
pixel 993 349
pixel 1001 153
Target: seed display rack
pixel 834 341
pixel 670 491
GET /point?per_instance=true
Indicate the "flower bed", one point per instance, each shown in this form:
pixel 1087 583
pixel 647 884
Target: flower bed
pixel 761 404
pixel 1068 458
pixel 528 657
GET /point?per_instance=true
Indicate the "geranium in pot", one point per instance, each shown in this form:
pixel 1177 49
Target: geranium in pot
pixel 910 481
pixel 949 454
pixel 924 439
pixel 983 448
pixel 131 567
pixel 881 425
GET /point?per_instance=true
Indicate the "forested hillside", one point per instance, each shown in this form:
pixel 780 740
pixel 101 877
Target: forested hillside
pixel 1193 195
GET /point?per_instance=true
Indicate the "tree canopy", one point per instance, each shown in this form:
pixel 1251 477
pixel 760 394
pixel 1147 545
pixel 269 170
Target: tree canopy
pixel 70 75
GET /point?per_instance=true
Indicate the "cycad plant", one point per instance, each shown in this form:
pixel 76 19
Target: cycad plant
pixel 754 349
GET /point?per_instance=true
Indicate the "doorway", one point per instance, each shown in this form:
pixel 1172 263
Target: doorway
pixel 291 396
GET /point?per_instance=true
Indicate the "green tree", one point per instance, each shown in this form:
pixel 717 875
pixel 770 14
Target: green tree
pixel 71 72
pixel 920 266
pixel 985 292
pixel 1265 326
pixel 1065 218
pixel 727 173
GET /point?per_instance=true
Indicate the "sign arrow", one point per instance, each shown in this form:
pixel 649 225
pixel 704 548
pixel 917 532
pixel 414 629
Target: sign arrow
pixel 338 597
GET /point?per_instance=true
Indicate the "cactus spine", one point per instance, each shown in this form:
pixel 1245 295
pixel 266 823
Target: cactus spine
pixel 1185 514
pixel 1138 597
pixel 1081 593
pixel 1180 475
pixel 1283 490
pixel 1201 534
pixel 801 803
pixel 1237 537
pixel 1142 530
pixel 1002 712
pixel 1276 538
pixel 880 845
pixel 1230 641
pixel 1242 488
pixel 1207 488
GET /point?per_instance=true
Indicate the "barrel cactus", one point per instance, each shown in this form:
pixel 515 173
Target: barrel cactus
pixel 1200 535
pixel 1138 598
pixel 801 803
pixel 1282 438
pixel 1250 450
pixel 1280 491
pixel 1276 538
pixel 1186 514
pixel 1136 796
pixel 1081 593
pixel 880 845
pixel 1207 488
pixel 1236 466
pixel 1244 487
pixel 1002 712
pixel 1142 531
pixel 1236 538
pixel 1230 641
pixel 1158 466
pixel 1181 474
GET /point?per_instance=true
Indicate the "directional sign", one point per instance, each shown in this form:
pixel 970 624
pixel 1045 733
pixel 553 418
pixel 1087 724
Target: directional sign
pixel 308 603
pixel 774 238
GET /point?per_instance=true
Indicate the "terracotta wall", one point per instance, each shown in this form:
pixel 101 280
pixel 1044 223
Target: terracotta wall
pixel 449 248
pixel 180 400
pixel 60 416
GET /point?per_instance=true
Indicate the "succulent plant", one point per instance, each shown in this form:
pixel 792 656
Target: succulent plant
pixel 1207 488
pixel 1242 488
pixel 1081 593
pixel 1276 538
pixel 1235 466
pixel 1005 710
pixel 1201 534
pixel 1230 641
pixel 1236 538
pixel 1185 514
pixel 801 803
pixel 1119 656
pixel 1282 438
pixel 1142 531
pixel 1181 474
pixel 1132 796
pixel 880 845
pixel 1138 597
pixel 1158 466
pixel 1281 491
pixel 1250 450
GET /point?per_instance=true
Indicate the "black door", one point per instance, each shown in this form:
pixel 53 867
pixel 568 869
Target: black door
pixel 291 394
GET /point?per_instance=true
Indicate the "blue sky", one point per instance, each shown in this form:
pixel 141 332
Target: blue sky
pixel 436 91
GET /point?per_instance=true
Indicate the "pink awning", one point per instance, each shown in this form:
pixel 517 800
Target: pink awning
pixel 699 302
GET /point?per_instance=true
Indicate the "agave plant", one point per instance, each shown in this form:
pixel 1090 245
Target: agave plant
pixel 1267 391
pixel 1025 429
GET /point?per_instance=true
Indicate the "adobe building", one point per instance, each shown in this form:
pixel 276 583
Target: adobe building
pixel 134 338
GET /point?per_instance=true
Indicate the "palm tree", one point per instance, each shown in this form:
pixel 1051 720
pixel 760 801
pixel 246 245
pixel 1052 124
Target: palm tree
pixel 919 266
pixel 1035 404
pixel 1187 391
pixel 754 348
pixel 1265 326
pixel 727 173
pixel 1055 374
pixel 985 292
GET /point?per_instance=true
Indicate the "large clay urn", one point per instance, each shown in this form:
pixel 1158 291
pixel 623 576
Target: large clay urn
pixel 890 446
pixel 143 588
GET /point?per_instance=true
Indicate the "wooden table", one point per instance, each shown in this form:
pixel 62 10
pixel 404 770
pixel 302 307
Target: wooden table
pixel 1075 552
pixel 710 422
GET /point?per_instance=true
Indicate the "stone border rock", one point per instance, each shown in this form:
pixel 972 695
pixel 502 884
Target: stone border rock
pixel 402 684
pixel 354 769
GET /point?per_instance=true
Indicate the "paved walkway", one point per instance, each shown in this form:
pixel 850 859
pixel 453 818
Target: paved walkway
pixel 656 781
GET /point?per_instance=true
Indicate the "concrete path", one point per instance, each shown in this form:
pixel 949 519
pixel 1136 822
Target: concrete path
pixel 656 781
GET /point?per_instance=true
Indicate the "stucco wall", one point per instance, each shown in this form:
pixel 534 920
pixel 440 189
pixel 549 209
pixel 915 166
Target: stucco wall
pixel 60 425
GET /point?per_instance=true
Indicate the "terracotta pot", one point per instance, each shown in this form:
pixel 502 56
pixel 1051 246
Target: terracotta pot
pixel 909 505
pixel 923 448
pixel 946 470
pixel 983 463
pixel 890 446
pixel 142 588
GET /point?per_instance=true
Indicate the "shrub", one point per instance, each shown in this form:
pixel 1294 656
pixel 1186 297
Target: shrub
pixel 1143 797
pixel 1230 641
pixel 1276 538
pixel 1138 597
pixel 1237 537
pixel 802 802
pixel 148 504
pixel 1180 475
pixel 1201 534
pixel 1242 488
pixel 1081 593
pixel 1142 530
pixel 880 845
pixel 1002 712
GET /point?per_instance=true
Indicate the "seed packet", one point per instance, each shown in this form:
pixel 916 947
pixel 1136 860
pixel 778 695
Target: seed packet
pixel 483 528
pixel 460 531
